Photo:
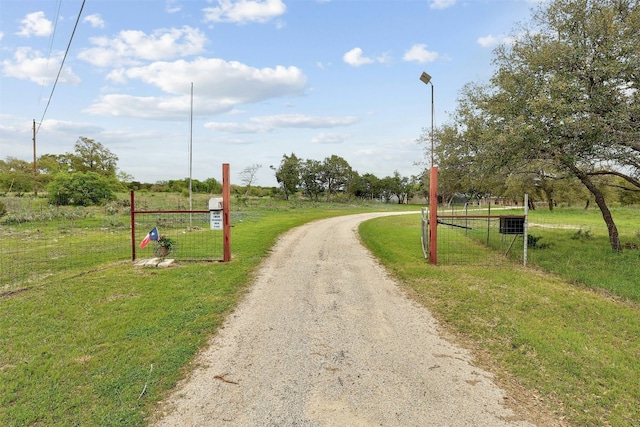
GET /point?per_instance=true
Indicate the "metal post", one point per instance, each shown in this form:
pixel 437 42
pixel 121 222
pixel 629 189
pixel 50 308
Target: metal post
pixel 226 214
pixel 525 230
pixel 433 216
pixel 133 225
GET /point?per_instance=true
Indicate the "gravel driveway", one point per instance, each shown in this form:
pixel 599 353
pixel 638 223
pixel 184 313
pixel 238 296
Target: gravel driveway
pixel 326 338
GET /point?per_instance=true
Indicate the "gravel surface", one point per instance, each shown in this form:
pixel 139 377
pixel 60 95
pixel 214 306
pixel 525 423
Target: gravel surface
pixel 326 338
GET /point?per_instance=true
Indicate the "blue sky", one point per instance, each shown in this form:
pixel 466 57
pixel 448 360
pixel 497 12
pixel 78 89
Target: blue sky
pixel 310 77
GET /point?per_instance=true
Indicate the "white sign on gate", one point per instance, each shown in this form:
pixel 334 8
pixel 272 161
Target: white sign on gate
pixel 215 212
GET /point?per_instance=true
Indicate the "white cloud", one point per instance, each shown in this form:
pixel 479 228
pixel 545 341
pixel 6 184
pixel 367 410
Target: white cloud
pixel 66 126
pixel 355 58
pixel 95 20
pixel 419 53
pixel 441 4
pixel 151 107
pixel 264 124
pixel 130 47
pixel 237 128
pixel 220 78
pixel 329 138
pixel 219 86
pixel 29 64
pixel 243 11
pixel 35 24
pixel 492 41
pixel 302 121
pixel 1 35
pixel 172 6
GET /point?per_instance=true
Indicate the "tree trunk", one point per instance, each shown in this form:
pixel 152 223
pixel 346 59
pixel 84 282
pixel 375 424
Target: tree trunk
pixel 548 194
pixel 614 237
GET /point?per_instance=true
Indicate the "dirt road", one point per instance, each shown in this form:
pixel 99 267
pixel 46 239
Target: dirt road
pixel 326 338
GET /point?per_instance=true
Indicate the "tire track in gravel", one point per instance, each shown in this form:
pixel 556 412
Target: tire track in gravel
pixel 326 338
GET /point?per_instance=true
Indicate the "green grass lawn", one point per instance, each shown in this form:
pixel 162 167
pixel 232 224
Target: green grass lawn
pixel 99 343
pixel 577 348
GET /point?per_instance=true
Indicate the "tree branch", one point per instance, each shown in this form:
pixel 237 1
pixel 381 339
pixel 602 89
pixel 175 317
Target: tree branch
pixel 627 178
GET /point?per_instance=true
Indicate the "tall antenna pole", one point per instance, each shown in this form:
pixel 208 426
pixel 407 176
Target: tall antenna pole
pixel 35 165
pixel 190 155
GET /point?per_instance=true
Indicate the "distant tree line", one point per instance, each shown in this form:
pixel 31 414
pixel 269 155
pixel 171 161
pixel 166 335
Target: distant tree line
pixel 88 176
pixel 334 178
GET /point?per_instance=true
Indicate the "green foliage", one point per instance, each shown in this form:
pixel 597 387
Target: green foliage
pixel 16 175
pixel 533 242
pixel 82 189
pixel 3 210
pixel 311 178
pixel 582 235
pixel 562 103
pixel 288 174
pixel 164 246
pixel 335 175
pixel 92 156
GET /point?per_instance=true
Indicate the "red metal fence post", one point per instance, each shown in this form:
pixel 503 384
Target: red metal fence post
pixel 133 226
pixel 226 214
pixel 433 215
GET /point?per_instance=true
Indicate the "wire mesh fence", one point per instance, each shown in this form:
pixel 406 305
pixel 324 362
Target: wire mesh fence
pixel 475 239
pixel 190 234
pixel 40 242
pixel 36 244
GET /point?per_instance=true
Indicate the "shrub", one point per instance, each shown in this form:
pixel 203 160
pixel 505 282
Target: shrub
pixel 81 189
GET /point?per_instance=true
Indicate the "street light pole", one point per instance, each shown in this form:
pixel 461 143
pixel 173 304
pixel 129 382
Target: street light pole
pixel 426 78
pixel 433 188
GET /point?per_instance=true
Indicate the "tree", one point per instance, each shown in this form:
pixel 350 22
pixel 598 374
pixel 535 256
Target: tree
pixel 82 189
pixel 92 156
pixel 368 187
pixel 288 174
pixel 336 174
pixel 16 175
pixel 565 95
pixel 212 186
pixel 311 177
pixel 248 175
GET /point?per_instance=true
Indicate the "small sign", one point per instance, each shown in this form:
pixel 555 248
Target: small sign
pixel 216 220
pixel 215 210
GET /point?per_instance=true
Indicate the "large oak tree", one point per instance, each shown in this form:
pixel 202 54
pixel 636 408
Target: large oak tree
pixel 565 97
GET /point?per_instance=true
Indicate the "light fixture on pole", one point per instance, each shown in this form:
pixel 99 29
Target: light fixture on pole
pixel 426 79
pixel 433 189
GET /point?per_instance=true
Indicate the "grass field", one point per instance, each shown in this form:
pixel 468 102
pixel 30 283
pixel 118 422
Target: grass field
pixel 99 343
pixel 575 347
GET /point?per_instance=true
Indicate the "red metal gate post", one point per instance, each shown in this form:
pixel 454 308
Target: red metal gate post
pixel 433 215
pixel 133 226
pixel 226 214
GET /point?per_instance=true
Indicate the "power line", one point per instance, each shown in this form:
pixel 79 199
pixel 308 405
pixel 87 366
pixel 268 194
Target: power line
pixel 53 36
pixel 61 65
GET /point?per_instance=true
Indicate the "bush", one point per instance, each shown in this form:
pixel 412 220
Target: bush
pixel 81 189
pixel 3 210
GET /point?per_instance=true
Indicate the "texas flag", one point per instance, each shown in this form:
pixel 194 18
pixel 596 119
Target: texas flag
pixel 153 235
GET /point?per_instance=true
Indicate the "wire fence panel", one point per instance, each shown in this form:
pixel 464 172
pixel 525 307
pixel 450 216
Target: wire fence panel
pixel 194 240
pixel 474 237
pixel 62 242
pixel 41 242
pixel 480 240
